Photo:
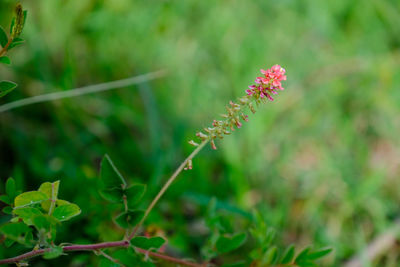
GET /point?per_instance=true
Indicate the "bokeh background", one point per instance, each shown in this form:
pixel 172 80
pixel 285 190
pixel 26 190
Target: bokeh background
pixel 321 163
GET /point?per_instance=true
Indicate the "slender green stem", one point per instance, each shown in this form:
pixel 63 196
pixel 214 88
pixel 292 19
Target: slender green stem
pixel 52 199
pixel 166 185
pixel 83 90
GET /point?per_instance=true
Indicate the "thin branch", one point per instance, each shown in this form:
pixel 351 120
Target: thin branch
pixel 166 185
pixel 53 199
pixel 38 252
pixel 105 255
pixel 4 50
pixel 123 243
pixel 97 248
pixel 28 255
pixel 169 258
pixel 83 90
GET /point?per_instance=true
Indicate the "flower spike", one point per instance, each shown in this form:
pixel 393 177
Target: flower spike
pixel 260 92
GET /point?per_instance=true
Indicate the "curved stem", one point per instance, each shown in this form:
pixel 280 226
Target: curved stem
pixel 166 185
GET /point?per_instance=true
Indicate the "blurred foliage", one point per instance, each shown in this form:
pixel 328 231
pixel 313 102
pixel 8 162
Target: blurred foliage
pixel 320 163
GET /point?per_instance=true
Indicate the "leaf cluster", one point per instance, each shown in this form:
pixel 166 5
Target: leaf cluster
pixel 267 253
pixel 10 41
pixel 35 214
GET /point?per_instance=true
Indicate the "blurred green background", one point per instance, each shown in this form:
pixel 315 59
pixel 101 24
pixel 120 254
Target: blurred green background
pixel 321 163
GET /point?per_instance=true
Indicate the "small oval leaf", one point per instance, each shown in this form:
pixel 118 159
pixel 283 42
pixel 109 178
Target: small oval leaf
pixel 226 243
pixel 319 253
pixel 66 212
pixel 5 199
pixel 5 60
pixel 11 188
pixel 44 222
pixel 288 255
pixel 29 198
pixel 15 231
pixel 53 253
pixel 51 191
pixel 134 194
pixel 129 218
pixel 3 37
pixel 6 87
pixel 27 213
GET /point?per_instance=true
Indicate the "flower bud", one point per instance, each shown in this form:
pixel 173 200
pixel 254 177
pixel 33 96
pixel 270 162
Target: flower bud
pixel 19 21
pixel 193 143
pixel 201 135
pixel 213 144
pixel 189 165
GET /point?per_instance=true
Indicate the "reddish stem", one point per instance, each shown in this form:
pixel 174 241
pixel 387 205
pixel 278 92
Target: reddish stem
pixel 169 258
pixel 94 247
pixel 4 50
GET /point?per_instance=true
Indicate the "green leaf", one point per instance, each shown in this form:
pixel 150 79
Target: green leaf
pixel 43 222
pixel 148 243
pixel 7 210
pixel 5 60
pixel 270 256
pixel 288 255
pixel 306 263
pixel 236 264
pixel 103 262
pixel 60 202
pixel 129 218
pixel 226 243
pixel 29 238
pixel 29 198
pixel 66 212
pixel 53 253
pixel 5 199
pixel 319 253
pixel 15 231
pixel 109 174
pixel 25 16
pixel 12 25
pixel 6 87
pixel 134 194
pixel 3 37
pixel 8 242
pixel 303 255
pixel 16 42
pixel 11 189
pixel 27 213
pixel 51 191
pixel 113 194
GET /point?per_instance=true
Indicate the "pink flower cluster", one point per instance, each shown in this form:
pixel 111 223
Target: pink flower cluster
pixel 269 84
